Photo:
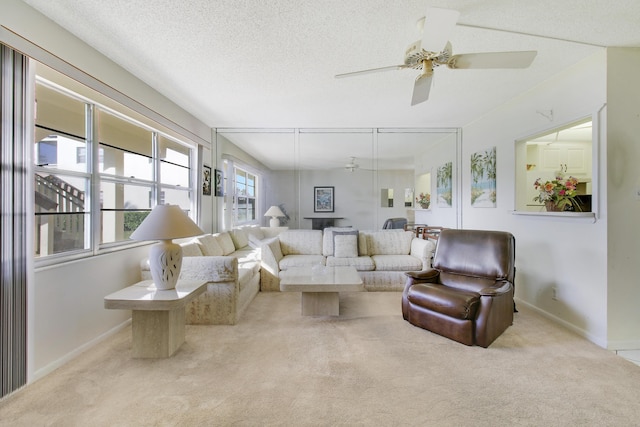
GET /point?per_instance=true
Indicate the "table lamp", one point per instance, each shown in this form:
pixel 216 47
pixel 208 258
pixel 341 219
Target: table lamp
pixel 164 223
pixel 274 212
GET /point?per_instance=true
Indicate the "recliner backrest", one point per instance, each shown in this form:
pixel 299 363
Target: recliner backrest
pixel 477 253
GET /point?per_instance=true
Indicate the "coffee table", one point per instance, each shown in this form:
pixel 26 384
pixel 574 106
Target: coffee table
pixel 321 287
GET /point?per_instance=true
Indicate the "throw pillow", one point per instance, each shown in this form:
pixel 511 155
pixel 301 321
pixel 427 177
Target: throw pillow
pixel 345 244
pixel 209 245
pixel 191 249
pixel 224 239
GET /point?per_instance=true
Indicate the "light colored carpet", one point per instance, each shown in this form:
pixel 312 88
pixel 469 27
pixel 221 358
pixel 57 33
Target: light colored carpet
pixel 368 367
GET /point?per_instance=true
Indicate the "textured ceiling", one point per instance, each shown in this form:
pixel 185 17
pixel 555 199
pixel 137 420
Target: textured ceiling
pixel 252 64
pixel 242 63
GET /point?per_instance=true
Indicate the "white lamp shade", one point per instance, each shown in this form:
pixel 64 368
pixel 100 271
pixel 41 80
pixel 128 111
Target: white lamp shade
pixel 274 211
pixel 166 222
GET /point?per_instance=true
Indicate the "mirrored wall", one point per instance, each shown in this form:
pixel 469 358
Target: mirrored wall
pixel 368 175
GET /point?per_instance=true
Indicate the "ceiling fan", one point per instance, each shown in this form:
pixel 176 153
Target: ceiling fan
pixel 434 50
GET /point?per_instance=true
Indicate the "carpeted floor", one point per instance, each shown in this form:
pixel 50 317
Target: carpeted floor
pixel 366 368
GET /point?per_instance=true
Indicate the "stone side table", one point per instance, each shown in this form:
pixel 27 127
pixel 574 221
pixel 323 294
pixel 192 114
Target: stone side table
pixel 158 316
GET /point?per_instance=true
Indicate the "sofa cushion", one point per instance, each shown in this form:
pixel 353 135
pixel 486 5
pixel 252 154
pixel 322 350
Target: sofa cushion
pixel 239 238
pixel 345 244
pixel 389 242
pixel 255 232
pixel 191 249
pixel 255 236
pixel 209 245
pixel 301 242
pixel 361 263
pixel 397 262
pixel 301 261
pixel 327 240
pixel 226 243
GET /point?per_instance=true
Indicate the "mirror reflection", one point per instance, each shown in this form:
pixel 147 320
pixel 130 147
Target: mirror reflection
pixel 374 174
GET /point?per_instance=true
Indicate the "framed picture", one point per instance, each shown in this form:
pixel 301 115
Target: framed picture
pixel 483 179
pixel 219 183
pixel 323 199
pixel 206 180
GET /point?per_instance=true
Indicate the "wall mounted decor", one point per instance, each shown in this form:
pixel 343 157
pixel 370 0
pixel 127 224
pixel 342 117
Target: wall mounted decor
pixel 219 183
pixel 206 180
pixel 483 179
pixel 323 199
pixel 445 185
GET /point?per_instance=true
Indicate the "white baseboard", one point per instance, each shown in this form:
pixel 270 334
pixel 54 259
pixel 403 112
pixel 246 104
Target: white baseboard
pixel 42 372
pixel 599 341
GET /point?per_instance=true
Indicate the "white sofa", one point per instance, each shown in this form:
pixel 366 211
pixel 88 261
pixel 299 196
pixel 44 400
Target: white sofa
pixel 230 263
pixel 381 257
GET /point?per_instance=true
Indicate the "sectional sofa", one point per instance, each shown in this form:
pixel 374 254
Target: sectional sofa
pixel 381 257
pixel 230 263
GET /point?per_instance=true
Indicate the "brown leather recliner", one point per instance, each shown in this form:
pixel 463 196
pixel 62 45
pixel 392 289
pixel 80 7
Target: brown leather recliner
pixel 468 294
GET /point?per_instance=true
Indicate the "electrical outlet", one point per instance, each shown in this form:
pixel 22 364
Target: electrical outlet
pixel 554 293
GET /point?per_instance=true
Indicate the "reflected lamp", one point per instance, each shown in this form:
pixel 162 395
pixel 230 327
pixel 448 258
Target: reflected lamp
pixel 274 212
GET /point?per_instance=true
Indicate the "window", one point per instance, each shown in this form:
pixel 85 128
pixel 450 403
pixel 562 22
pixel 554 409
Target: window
pixel 62 211
pixel 136 167
pixel 245 196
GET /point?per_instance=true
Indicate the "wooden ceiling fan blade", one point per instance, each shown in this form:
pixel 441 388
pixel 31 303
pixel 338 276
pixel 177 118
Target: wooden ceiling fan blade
pixel 438 26
pixel 521 59
pixel 421 89
pixel 371 70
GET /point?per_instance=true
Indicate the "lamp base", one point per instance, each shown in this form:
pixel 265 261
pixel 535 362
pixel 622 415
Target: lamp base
pixel 274 222
pixel 165 262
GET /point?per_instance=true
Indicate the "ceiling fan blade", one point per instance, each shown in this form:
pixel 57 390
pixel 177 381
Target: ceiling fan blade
pixel 371 70
pixel 421 89
pixel 438 25
pixel 493 60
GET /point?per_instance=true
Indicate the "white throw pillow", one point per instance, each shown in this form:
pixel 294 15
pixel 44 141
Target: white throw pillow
pixel 191 249
pixel 225 241
pixel 209 245
pixel 345 244
pixel 239 238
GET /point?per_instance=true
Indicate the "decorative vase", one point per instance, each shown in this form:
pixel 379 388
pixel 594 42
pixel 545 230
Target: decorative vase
pixel 552 207
pixel 424 205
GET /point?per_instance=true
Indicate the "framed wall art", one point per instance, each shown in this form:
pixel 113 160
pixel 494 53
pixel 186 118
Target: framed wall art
pixel 323 199
pixel 206 180
pixel 483 179
pixel 219 181
pixel 445 185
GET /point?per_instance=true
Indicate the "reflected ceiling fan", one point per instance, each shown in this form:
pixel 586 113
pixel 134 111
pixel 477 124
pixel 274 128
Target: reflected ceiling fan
pixel 352 165
pixel 434 50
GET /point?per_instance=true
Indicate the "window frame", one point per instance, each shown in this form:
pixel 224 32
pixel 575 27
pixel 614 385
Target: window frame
pixel 95 177
pixel 255 198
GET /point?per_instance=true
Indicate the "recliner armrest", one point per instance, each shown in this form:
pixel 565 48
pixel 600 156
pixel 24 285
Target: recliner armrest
pixel 430 275
pixel 496 290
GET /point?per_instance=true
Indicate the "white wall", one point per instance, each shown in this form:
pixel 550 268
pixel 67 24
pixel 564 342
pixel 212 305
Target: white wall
pixel 623 184
pixel 67 312
pixel 569 254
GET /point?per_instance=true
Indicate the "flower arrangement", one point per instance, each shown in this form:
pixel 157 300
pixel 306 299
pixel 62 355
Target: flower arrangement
pixel 559 193
pixel 424 200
